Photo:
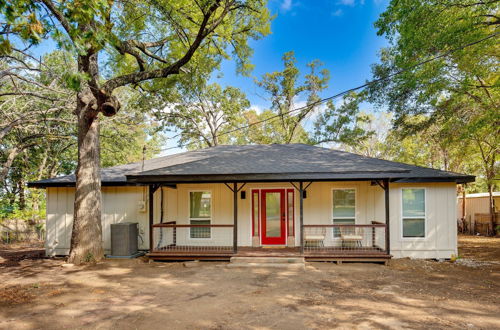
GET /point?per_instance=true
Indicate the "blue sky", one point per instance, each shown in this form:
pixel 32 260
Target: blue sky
pixel 339 33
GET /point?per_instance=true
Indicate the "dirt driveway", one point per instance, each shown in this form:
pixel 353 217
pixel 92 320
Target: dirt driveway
pixel 131 294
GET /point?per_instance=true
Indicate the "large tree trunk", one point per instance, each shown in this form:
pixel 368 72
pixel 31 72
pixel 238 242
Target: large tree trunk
pixel 86 238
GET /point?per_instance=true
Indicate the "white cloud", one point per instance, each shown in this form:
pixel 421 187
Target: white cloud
pixel 300 103
pixel 352 3
pixel 286 5
pixel 347 2
pixel 169 108
pixel 257 108
pixel 338 12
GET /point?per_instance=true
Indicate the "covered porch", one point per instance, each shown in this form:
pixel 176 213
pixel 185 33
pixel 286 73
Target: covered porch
pixel 308 237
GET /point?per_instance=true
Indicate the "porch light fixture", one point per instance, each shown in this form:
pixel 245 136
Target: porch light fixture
pixel 304 194
pixel 243 194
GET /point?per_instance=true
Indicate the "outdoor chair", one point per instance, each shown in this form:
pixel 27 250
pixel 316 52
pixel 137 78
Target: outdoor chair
pixel 351 236
pixel 315 238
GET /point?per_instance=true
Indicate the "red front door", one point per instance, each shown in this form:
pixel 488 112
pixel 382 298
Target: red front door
pixel 273 216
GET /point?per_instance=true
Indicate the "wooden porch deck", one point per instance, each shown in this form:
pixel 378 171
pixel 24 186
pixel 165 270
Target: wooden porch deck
pixel 325 254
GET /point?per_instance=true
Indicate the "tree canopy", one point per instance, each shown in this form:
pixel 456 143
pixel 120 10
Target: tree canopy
pixel 138 42
pixel 456 96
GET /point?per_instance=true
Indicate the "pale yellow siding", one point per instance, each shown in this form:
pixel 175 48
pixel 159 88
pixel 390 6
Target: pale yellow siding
pixel 441 227
pixel 121 204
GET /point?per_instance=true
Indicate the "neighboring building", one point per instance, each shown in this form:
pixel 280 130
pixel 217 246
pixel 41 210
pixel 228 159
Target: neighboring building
pixel 477 211
pixel 478 203
pixel 350 206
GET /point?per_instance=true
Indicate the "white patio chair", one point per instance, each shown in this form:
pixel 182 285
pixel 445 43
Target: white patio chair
pixel 351 236
pixel 315 238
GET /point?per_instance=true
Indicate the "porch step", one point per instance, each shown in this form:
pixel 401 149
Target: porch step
pixel 266 265
pixel 267 262
pixel 272 260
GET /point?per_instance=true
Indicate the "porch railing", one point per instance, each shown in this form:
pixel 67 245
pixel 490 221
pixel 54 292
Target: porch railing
pixel 186 238
pixel 327 240
pixel 345 239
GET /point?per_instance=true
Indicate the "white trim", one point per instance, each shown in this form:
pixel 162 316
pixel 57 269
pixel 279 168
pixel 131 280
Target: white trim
pixel 189 214
pixel 259 189
pixel 355 207
pixel 403 217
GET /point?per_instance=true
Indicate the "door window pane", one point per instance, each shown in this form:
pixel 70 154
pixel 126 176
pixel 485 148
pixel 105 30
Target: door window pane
pixel 255 201
pixel 344 203
pixel 290 213
pixel 273 216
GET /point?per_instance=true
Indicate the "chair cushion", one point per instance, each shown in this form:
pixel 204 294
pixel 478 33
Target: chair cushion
pixel 314 237
pixel 352 237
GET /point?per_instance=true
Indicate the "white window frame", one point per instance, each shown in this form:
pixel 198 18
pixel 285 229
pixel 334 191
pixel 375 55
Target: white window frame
pixel 419 217
pixel 355 208
pixel 260 188
pixel 211 213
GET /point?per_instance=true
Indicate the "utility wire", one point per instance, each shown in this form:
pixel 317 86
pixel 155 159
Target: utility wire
pixel 451 51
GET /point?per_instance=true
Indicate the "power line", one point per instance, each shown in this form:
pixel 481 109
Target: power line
pixel 346 91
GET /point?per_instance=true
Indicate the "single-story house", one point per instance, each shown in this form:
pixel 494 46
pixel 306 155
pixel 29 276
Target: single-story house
pixel 226 200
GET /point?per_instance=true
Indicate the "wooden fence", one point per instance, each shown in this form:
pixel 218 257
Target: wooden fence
pixel 479 225
pixel 15 230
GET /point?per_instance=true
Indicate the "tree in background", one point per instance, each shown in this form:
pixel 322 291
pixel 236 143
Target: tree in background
pixel 38 131
pixel 284 121
pixel 203 115
pixel 267 128
pixel 343 124
pixel 163 38
pixel 377 126
pixel 457 94
pixel 284 90
pixel 208 115
pixel 33 105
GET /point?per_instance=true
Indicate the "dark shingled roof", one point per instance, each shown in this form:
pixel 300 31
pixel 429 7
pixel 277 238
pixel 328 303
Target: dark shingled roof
pixel 275 162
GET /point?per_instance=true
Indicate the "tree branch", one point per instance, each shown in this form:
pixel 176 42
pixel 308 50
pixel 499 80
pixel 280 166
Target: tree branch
pixel 174 68
pixel 60 17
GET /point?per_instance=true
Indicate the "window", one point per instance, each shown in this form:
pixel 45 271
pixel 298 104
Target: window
pixel 255 214
pixel 290 212
pixel 200 213
pixel 413 212
pixel 344 208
